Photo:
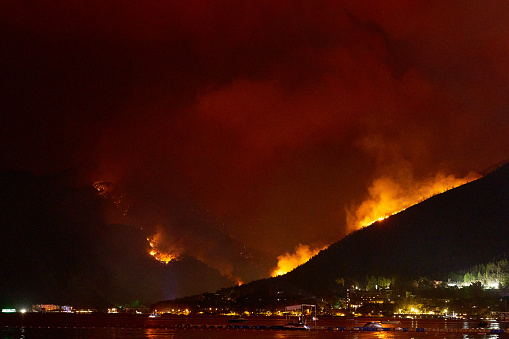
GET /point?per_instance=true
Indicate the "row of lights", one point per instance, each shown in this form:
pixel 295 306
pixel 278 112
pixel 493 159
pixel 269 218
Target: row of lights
pixel 13 310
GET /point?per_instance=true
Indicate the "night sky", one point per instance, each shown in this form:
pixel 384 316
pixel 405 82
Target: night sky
pixel 252 125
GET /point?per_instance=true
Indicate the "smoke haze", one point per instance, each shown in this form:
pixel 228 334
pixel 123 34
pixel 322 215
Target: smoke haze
pixel 238 131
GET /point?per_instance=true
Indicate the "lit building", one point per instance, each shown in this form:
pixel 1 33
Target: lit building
pixel 46 308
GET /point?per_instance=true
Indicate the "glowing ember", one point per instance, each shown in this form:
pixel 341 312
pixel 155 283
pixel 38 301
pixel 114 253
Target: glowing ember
pixel 387 197
pixel 106 190
pixel 102 187
pixel 288 262
pixel 239 282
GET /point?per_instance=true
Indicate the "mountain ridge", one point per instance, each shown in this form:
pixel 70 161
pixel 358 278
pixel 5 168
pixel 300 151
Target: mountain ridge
pixel 444 234
pixel 453 230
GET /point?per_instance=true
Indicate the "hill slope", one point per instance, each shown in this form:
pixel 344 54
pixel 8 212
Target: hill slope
pixel 455 230
pixel 56 247
pixel 451 231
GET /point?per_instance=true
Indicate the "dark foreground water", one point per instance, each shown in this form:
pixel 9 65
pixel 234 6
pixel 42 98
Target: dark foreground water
pixel 109 326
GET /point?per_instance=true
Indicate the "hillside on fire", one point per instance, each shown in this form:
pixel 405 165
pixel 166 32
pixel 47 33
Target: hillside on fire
pixel 450 232
pixel 457 229
pixel 57 247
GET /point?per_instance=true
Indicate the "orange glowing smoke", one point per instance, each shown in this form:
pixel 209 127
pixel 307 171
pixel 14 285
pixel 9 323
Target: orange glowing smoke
pixel 161 249
pixel 288 262
pixel 388 197
pixel 159 255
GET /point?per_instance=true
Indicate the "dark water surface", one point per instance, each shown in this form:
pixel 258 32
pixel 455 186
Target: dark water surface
pixel 108 326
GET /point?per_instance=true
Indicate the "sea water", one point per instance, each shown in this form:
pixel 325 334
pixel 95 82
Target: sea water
pixel 67 326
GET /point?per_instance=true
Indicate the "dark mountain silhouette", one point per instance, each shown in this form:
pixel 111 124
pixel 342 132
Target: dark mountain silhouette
pixel 455 230
pixel 452 231
pixel 56 247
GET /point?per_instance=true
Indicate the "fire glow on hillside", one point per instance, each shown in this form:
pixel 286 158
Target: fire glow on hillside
pixel 159 255
pixel 289 261
pixel 386 198
pixel 164 256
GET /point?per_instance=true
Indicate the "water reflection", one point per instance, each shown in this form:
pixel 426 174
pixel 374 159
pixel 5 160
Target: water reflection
pixel 171 333
pixel 133 327
pixel 155 333
pixel 383 335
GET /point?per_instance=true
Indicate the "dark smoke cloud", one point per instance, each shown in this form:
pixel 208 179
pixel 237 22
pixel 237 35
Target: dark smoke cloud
pixel 266 117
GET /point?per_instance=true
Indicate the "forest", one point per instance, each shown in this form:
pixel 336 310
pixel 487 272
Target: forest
pixel 494 274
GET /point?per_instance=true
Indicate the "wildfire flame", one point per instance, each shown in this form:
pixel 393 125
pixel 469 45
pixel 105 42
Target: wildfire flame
pixel 287 261
pixel 388 197
pixel 155 242
pixel 159 255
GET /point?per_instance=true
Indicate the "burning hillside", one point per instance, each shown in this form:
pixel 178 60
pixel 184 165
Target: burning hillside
pixel 289 261
pixel 388 197
pixel 159 248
